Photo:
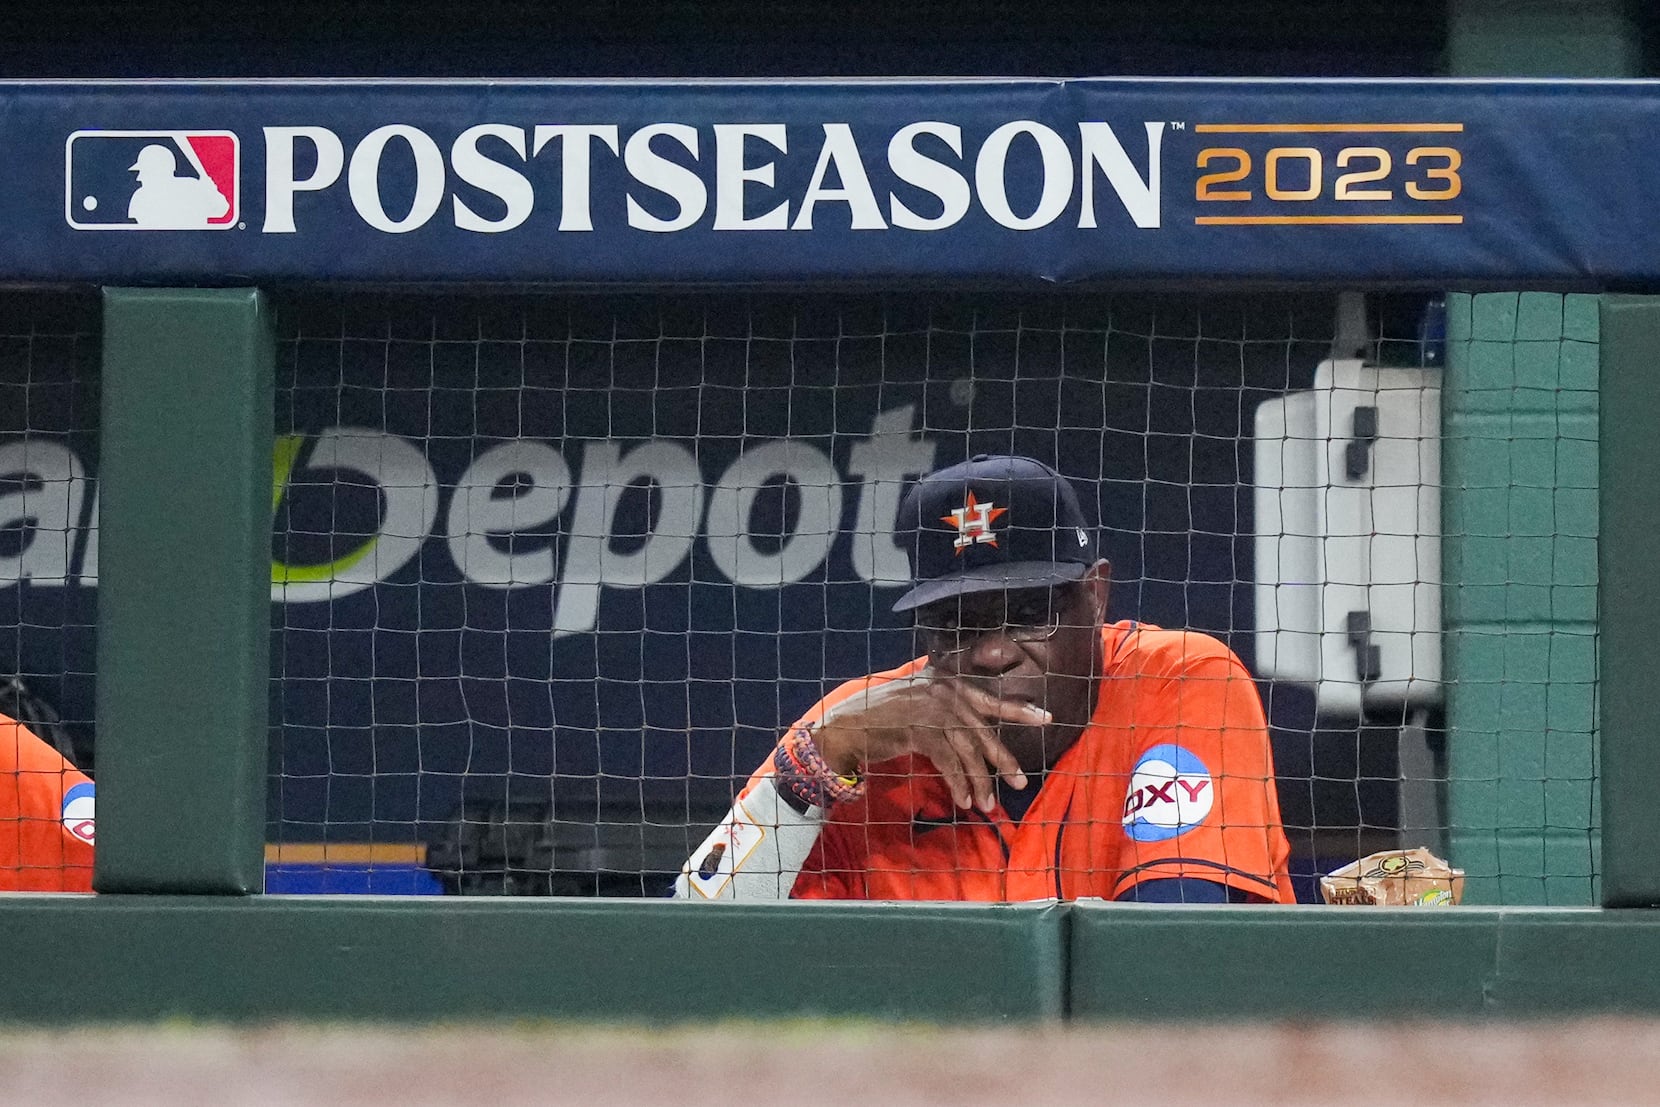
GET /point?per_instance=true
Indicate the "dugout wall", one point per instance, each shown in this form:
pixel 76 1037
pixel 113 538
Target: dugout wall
pixel 1454 220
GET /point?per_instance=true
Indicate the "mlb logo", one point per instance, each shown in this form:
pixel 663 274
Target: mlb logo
pixel 152 180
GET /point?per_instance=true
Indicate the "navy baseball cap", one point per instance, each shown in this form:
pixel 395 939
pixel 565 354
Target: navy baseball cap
pixel 991 523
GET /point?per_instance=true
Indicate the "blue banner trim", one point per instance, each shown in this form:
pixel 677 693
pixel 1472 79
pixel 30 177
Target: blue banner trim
pixel 1448 183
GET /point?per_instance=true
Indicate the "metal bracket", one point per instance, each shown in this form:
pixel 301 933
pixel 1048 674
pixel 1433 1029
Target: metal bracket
pixel 1368 658
pixel 1358 455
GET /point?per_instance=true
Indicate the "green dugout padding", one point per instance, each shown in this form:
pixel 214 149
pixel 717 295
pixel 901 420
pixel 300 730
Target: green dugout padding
pixel 104 958
pixel 1630 600
pixel 184 594
pixel 1519 452
pixel 1144 962
pixel 212 958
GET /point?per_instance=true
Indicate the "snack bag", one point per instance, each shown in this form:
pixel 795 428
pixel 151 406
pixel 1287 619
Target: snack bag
pixel 1395 878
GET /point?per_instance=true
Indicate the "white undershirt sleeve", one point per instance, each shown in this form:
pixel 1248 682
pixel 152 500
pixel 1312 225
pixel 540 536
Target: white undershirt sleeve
pixel 755 853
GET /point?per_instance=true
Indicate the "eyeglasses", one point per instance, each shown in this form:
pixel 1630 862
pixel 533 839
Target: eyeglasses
pixel 1029 615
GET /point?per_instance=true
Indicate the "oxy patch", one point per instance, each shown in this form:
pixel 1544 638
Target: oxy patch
pixel 1170 793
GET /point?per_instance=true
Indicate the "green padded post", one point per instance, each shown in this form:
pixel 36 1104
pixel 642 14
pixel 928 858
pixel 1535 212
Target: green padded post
pixel 1519 558
pixel 1518 467
pixel 1630 604
pixel 184 590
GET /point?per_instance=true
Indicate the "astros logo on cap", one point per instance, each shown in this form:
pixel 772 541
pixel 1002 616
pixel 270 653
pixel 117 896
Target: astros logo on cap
pixel 973 522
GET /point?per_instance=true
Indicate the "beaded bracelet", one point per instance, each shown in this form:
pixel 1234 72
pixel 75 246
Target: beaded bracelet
pixel 801 769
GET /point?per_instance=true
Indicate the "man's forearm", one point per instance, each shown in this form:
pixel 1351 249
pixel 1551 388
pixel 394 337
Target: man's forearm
pixel 755 853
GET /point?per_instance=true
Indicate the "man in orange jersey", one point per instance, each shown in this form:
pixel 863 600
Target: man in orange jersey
pixel 1034 752
pixel 46 816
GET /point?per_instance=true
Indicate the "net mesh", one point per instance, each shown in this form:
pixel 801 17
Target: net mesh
pixel 605 548
pixel 550 572
pixel 49 350
pixel 1520 449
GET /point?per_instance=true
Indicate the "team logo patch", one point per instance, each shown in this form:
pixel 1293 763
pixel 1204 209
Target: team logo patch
pixel 78 813
pixel 723 853
pixel 1171 792
pixel 152 180
pixel 973 522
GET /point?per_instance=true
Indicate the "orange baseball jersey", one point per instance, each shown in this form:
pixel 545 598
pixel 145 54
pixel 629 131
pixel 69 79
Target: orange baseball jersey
pixel 46 816
pixel 1173 777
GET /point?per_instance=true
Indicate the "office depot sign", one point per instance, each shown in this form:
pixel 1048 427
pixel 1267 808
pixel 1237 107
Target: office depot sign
pixel 597 514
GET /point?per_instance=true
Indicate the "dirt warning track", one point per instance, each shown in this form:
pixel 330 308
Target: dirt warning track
pixel 1513 1065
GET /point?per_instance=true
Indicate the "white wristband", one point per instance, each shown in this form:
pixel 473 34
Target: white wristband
pixel 755 853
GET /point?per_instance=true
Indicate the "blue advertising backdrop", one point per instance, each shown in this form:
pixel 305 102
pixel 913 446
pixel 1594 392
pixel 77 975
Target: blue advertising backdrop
pixel 661 528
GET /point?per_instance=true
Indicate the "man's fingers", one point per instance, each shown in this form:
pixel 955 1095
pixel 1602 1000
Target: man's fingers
pixel 988 748
pixel 951 721
pixel 1002 762
pixel 967 748
pixel 943 753
pixel 1009 711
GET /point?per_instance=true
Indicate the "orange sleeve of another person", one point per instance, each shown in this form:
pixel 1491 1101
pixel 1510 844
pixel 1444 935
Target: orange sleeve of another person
pixel 43 847
pixel 1204 720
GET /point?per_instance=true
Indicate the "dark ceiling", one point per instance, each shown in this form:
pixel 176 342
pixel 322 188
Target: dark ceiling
pixel 680 38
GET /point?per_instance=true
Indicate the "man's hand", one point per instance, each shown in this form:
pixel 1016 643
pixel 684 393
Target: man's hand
pixel 949 721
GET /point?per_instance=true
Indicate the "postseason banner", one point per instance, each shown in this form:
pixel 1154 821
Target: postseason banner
pixel 1004 180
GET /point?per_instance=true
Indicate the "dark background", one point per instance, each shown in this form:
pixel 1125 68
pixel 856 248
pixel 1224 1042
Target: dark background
pixel 720 38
